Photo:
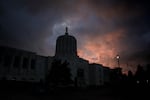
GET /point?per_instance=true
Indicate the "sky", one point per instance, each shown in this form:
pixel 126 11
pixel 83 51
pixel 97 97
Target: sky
pixel 103 28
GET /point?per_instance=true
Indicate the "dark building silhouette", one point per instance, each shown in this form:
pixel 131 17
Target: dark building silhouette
pixel 66 45
pixel 21 65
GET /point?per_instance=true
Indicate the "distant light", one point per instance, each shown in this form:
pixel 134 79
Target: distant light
pixel 147 81
pixel 117 56
pixel 137 81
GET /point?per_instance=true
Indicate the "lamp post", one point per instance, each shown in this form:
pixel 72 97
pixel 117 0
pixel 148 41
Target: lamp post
pixel 118 58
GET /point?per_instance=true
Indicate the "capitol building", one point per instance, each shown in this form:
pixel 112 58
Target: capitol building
pixel 21 65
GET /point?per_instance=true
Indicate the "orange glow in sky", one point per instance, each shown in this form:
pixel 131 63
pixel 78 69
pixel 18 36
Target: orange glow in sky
pixel 102 49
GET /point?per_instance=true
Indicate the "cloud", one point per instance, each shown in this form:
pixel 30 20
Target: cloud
pixel 27 24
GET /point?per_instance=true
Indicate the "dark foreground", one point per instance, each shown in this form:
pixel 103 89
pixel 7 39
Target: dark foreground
pixel 94 93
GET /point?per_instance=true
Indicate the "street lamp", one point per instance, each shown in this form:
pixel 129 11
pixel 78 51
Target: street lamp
pixel 118 57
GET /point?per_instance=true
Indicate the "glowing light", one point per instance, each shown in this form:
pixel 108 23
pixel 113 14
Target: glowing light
pixel 118 57
pixel 147 81
pixel 137 81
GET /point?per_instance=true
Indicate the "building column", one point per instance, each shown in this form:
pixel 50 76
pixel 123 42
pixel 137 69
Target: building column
pixel 29 66
pixel 21 65
pixel 2 65
pixel 2 61
pixel 11 65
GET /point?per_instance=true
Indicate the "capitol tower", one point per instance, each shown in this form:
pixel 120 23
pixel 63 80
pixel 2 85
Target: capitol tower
pixel 66 50
pixel 66 46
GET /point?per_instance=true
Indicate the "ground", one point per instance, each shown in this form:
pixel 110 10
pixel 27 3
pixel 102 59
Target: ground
pixel 96 93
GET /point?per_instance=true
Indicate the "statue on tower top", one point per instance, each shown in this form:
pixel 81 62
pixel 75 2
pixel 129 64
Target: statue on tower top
pixel 66 31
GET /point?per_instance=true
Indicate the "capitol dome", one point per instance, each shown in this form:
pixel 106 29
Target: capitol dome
pixel 66 45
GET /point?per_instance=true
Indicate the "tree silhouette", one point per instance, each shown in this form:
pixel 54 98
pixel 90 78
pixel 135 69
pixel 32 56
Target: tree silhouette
pixel 140 74
pixel 130 78
pixel 148 72
pixel 59 74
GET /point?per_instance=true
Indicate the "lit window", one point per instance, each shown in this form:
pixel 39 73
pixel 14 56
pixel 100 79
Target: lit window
pixel 13 78
pixel 137 81
pixel 147 81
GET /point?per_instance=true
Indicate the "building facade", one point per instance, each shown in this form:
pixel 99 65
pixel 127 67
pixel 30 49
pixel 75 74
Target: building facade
pixel 21 65
pixel 96 74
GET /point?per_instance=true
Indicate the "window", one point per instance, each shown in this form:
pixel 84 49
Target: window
pixel 32 79
pixel 33 64
pixel 13 78
pixel 1 58
pixel 25 62
pixel 7 61
pixel 23 79
pixel 17 61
